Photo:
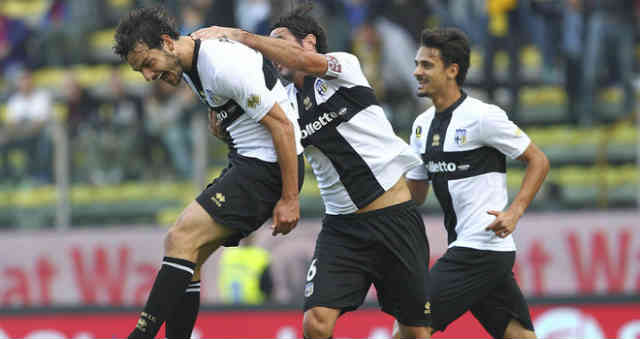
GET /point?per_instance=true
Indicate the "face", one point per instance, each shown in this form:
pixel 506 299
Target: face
pixel 156 64
pixel 285 34
pixel 431 73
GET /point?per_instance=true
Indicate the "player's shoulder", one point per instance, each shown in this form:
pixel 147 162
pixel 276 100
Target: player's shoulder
pixel 474 108
pixel 425 117
pixel 346 56
pixel 343 62
pixel 226 52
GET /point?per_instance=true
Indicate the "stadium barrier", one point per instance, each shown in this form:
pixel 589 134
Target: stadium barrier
pixel 566 254
pixel 594 320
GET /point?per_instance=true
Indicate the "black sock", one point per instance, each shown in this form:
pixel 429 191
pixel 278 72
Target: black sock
pixel 180 323
pixel 169 287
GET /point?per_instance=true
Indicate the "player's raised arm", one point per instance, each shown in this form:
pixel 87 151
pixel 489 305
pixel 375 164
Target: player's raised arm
pixel 287 211
pixel 274 48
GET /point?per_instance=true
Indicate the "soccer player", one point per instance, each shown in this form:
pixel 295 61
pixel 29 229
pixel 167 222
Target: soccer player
pixel 463 142
pixel 372 232
pixel 265 166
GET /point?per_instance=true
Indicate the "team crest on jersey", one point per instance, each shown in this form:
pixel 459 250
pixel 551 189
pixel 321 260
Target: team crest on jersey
pixel 419 132
pixel 322 87
pixel 461 136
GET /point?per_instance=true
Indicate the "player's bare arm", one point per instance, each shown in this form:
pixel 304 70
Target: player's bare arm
pixel 536 172
pixel 287 211
pixel 215 126
pixel 281 51
pixel 419 190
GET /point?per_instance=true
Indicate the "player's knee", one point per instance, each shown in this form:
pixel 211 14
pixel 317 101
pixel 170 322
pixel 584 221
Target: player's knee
pixel 318 323
pixel 403 331
pixel 180 239
pixel 516 330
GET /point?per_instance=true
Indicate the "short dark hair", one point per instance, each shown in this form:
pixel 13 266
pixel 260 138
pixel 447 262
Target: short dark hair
pixel 144 25
pixel 454 48
pixel 300 23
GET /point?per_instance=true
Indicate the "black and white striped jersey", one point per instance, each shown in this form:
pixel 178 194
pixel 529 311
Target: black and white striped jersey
pixel 349 143
pixel 242 87
pixel 463 149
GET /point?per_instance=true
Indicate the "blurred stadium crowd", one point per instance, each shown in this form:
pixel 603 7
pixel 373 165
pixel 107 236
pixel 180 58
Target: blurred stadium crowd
pixel 79 126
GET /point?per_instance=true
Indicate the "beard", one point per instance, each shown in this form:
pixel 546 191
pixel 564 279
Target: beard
pixel 173 76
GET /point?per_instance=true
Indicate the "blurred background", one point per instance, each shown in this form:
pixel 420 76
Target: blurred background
pixel 95 163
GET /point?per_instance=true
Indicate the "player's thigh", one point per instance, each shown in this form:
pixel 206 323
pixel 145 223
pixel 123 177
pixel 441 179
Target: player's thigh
pixel 461 278
pixel 402 272
pixel 242 198
pixel 504 304
pixel 339 274
pixel 195 229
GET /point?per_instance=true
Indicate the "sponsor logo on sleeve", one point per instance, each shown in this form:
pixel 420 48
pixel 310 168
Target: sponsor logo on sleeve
pixel 334 64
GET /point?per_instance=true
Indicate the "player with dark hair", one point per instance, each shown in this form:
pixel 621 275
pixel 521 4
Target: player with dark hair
pixel 372 232
pixel 265 171
pixel 463 142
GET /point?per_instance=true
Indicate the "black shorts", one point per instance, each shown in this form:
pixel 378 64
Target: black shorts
pixel 482 282
pixel 243 196
pixel 386 247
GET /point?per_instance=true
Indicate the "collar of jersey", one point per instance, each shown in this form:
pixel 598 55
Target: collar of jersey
pixel 447 111
pixel 193 72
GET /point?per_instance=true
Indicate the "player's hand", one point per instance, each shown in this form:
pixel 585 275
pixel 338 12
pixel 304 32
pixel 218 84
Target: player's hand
pixel 285 216
pixel 504 224
pixel 217 32
pixel 215 126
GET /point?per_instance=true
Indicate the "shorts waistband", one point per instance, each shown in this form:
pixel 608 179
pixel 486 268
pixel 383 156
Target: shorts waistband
pixel 386 210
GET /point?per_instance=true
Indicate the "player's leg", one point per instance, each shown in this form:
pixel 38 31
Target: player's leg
pixel 193 231
pixel 338 278
pixel 515 329
pixel 182 320
pixel 319 322
pixel 504 312
pixel 402 273
pixel 403 331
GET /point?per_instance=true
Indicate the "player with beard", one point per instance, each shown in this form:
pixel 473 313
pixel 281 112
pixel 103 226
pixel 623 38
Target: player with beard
pixel 372 232
pixel 265 169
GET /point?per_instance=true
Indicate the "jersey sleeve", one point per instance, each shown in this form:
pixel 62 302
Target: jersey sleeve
pixel 417 143
pixel 239 77
pixel 346 67
pixel 502 134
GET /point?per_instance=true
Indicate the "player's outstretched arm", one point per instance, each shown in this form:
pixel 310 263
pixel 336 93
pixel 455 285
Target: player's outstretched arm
pixel 281 51
pixel 536 172
pixel 287 211
pixel 419 190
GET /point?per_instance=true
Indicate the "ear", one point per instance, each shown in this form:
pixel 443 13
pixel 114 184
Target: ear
pixel 452 71
pixel 310 39
pixel 167 42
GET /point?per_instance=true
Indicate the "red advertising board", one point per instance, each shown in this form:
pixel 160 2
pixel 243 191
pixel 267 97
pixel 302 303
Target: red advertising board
pixel 565 254
pixel 558 321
